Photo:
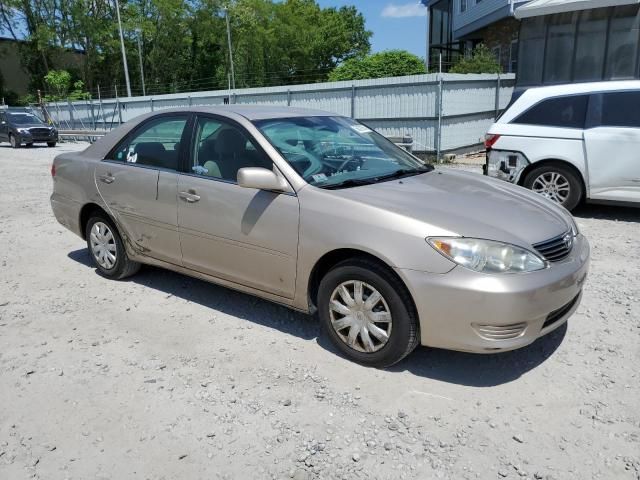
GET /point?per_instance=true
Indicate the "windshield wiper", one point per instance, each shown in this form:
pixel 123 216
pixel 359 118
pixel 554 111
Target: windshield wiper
pixel 403 172
pixel 349 183
pixel 356 182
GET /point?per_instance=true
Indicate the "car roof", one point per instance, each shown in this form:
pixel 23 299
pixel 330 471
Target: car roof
pixel 534 95
pixel 256 112
pixel 577 88
pixel 235 112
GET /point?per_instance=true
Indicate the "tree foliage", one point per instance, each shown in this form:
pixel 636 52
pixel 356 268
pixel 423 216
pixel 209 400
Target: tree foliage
pixel 183 42
pixel 390 63
pixel 60 87
pixel 480 61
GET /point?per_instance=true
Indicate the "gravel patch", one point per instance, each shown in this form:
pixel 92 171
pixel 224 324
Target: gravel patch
pixel 165 376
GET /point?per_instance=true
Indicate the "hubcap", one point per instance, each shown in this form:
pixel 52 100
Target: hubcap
pixel 552 185
pixel 360 316
pixel 103 245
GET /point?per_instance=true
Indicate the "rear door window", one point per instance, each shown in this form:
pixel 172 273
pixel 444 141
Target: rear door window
pixel 565 112
pixel 155 144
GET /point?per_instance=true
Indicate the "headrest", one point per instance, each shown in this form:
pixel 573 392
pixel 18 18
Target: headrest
pixel 150 149
pixel 230 142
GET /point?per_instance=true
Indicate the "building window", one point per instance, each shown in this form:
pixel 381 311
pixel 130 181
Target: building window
pixel 513 57
pixel 623 43
pixel 587 45
pixel 591 43
pixel 463 6
pixel 497 53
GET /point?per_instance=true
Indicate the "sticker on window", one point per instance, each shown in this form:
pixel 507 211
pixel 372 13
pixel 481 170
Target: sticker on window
pixel 319 177
pixel 361 128
pixel 132 157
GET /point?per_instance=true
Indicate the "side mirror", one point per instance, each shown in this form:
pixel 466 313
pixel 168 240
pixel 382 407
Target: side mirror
pixel 261 179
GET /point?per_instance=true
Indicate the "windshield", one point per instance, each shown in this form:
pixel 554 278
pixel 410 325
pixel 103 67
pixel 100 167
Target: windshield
pixel 336 152
pixel 24 119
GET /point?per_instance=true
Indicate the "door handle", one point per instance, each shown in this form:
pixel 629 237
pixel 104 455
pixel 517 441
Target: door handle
pixel 108 178
pixel 190 196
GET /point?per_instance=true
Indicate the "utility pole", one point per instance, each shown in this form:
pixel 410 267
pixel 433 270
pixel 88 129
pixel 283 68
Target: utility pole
pixel 124 53
pixel 144 91
pixel 233 75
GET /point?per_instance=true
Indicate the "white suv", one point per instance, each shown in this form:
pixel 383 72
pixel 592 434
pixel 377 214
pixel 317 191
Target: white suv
pixel 571 142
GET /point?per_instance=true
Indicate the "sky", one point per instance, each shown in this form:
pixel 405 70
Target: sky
pixel 395 25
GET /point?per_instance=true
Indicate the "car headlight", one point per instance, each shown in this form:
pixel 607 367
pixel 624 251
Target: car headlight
pixel 487 256
pixel 24 131
pixel 575 231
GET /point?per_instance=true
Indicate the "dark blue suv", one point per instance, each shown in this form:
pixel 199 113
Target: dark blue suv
pixel 22 127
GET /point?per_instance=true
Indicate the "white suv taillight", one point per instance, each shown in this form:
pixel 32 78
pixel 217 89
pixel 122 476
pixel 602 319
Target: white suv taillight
pixel 490 140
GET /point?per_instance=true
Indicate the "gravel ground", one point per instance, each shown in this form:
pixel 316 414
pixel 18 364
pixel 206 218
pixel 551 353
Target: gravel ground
pixel 163 376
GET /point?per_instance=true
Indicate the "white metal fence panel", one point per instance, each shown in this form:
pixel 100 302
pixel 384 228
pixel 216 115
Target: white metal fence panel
pixel 440 112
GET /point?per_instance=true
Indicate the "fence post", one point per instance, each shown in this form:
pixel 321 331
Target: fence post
pixel 498 85
pixel 438 138
pixel 353 101
pixel 71 120
pixel 90 108
pixel 151 102
pixel 190 101
pixel 288 97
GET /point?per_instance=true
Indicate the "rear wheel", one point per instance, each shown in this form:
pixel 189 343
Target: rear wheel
pixel 557 183
pixel 367 313
pixel 51 144
pixel 29 145
pixel 15 143
pixel 107 249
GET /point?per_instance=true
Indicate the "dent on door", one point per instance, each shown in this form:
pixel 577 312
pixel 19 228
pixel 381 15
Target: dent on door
pixel 143 203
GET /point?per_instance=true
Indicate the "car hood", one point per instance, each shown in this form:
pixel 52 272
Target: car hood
pixel 469 205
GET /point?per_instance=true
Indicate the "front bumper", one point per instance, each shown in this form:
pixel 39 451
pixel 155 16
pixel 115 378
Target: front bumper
pixel 474 312
pixel 38 137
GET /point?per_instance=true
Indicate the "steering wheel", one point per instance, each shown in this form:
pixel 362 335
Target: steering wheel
pixel 348 161
pixel 316 164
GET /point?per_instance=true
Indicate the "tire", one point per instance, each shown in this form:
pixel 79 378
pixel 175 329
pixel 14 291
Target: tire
pixel 566 178
pixel 51 144
pixel 402 331
pixel 122 266
pixel 15 143
pixel 29 145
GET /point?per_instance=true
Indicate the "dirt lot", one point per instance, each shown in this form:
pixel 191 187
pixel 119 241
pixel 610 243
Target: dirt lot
pixel 165 377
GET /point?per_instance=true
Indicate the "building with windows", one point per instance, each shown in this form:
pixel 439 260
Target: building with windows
pixel 566 41
pixel 455 27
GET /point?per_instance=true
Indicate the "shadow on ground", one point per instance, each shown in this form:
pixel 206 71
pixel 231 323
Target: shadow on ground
pixel 454 367
pixel 608 212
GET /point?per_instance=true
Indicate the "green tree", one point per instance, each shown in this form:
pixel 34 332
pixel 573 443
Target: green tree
pixel 390 63
pixel 480 61
pixel 184 44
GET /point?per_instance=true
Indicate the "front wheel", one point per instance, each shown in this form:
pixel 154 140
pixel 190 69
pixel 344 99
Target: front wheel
pixel 51 144
pixel 557 183
pixel 107 250
pixel 367 313
pixel 15 143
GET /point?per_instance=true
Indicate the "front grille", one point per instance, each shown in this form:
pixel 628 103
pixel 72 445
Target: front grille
pixel 555 249
pixel 39 131
pixel 500 332
pixel 556 315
